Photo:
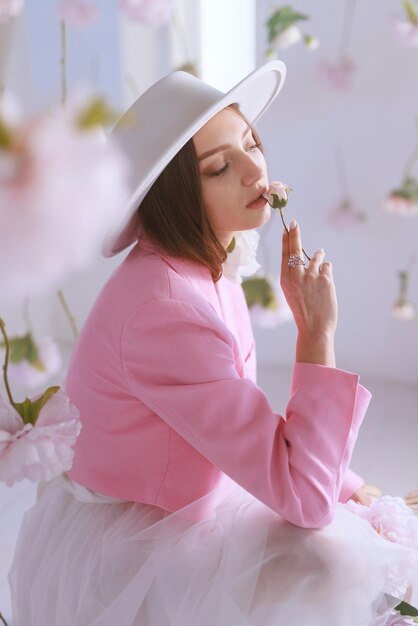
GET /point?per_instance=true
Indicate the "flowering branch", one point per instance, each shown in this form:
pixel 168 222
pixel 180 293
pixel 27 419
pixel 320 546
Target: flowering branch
pixel 347 28
pixel 3 620
pixel 277 198
pixel 63 63
pixel 68 313
pixel 6 362
pixel 412 160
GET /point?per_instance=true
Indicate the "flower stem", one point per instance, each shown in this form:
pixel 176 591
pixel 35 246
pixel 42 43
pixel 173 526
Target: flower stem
pixel 3 620
pixel 287 230
pixel 411 161
pixel 403 284
pixel 6 363
pixel 68 313
pixel 346 29
pixel 63 63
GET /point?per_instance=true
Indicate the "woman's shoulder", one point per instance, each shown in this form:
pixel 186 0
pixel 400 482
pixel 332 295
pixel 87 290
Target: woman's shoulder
pixel 145 275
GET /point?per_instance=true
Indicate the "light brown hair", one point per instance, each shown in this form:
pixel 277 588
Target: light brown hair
pixel 173 214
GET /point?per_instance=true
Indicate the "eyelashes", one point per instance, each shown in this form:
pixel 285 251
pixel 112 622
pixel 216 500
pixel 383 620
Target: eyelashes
pixel 226 166
pixel 221 171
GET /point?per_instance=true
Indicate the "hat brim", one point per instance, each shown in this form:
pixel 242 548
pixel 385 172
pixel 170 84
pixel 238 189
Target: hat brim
pixel 254 94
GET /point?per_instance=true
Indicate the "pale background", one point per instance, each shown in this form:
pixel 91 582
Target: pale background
pixel 374 126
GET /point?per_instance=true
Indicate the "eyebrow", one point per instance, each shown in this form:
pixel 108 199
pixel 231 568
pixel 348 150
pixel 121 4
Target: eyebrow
pixel 222 147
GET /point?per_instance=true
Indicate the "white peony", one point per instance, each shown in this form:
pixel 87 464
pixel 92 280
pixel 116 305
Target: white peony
pixel 291 35
pixel 242 260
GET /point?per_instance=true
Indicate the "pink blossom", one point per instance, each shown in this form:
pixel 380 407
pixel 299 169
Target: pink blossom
pixel 396 522
pixel 40 452
pixel 404 309
pixel 396 619
pixel 78 12
pixel 9 9
pixel 277 195
pixel 391 518
pixel 399 205
pixel 339 75
pixel 406 32
pixel 62 191
pixel 344 216
pixel 27 375
pixel 154 12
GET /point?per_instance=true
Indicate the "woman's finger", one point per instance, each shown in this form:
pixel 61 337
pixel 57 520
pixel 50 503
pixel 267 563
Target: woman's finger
pixel 326 268
pixel 295 248
pixel 315 262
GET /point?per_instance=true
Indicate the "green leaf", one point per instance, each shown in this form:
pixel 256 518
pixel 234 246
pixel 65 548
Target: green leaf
pixel 6 136
pixel 282 19
pixel 258 290
pixel 411 11
pixel 278 203
pixel 24 348
pixel 96 114
pixel 231 246
pixel 29 410
pixel 407 609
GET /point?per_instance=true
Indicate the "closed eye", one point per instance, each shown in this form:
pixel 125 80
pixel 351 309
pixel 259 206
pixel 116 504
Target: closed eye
pixel 256 145
pixel 221 171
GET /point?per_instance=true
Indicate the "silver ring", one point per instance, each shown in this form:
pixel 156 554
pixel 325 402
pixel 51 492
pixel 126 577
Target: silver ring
pixel 294 260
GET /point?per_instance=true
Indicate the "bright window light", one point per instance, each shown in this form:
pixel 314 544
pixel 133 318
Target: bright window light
pixel 228 36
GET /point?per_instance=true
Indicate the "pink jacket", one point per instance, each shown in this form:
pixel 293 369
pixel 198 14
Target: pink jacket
pixel 164 376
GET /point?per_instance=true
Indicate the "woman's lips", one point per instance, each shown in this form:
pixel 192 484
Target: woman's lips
pixel 257 204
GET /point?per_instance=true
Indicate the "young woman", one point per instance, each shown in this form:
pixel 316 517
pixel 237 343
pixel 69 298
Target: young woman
pixel 190 501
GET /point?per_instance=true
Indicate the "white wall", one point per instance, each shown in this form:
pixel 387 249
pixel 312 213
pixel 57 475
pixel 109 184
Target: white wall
pixel 374 124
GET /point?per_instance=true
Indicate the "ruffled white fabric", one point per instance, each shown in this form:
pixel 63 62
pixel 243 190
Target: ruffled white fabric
pixel 107 563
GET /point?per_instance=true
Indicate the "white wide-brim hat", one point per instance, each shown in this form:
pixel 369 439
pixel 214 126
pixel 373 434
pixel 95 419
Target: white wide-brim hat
pixel 161 121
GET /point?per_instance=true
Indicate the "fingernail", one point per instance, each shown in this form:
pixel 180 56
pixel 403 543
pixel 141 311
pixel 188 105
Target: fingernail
pixel 321 251
pixel 292 224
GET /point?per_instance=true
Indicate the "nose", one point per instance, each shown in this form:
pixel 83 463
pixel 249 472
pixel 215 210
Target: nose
pixel 253 168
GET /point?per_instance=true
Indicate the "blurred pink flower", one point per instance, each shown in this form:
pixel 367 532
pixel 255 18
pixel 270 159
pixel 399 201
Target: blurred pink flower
pixel 26 374
pixel 78 13
pixel 391 518
pixel 339 75
pixel 61 187
pixel 406 32
pixel 404 310
pixel 10 110
pixel 394 203
pixel 396 522
pixel 344 217
pixel 40 452
pixel 10 8
pixel 154 12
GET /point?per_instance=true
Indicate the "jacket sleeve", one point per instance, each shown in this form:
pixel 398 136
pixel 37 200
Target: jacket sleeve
pixel 181 361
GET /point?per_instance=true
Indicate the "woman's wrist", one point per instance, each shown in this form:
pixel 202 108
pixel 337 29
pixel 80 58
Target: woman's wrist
pixel 316 347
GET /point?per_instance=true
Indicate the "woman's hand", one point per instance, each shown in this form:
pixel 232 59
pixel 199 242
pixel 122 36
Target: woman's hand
pixel 366 494
pixel 310 293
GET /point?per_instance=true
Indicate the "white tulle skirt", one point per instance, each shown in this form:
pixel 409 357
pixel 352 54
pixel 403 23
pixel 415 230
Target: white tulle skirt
pixel 83 559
